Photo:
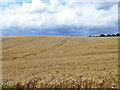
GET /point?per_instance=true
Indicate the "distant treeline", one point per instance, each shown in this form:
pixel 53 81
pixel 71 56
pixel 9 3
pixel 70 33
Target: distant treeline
pixel 108 35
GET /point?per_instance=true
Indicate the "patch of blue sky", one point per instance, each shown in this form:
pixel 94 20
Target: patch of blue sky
pixel 10 3
pixel 63 3
pixel 45 1
pixel 48 1
pixel 19 2
pixel 23 1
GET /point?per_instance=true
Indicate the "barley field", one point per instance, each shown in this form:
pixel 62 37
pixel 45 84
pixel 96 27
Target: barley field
pixel 60 62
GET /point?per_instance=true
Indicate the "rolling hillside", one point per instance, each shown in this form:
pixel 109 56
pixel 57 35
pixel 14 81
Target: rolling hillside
pixel 58 61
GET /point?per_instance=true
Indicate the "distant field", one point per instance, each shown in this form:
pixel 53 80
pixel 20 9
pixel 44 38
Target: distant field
pixel 54 61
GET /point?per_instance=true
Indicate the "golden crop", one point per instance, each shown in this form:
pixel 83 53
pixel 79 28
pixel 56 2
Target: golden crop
pixel 61 62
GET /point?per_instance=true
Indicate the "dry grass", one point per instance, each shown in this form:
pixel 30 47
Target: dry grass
pixel 49 61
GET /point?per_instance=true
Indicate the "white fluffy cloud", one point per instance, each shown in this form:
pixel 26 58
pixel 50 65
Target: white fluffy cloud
pixel 57 13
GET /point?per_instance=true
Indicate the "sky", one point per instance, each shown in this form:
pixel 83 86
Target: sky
pixel 58 17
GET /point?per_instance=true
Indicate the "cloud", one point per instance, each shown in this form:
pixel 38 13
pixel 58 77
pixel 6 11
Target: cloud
pixel 105 5
pixel 58 18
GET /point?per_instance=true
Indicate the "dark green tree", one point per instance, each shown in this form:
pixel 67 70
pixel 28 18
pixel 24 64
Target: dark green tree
pixel 108 35
pixel 101 35
pixel 117 34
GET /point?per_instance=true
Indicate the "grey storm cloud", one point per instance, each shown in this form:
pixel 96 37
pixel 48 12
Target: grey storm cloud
pixel 62 31
pixel 105 5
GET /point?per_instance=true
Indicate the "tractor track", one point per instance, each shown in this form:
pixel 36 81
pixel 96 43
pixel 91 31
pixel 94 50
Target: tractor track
pixel 51 48
pixel 62 42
